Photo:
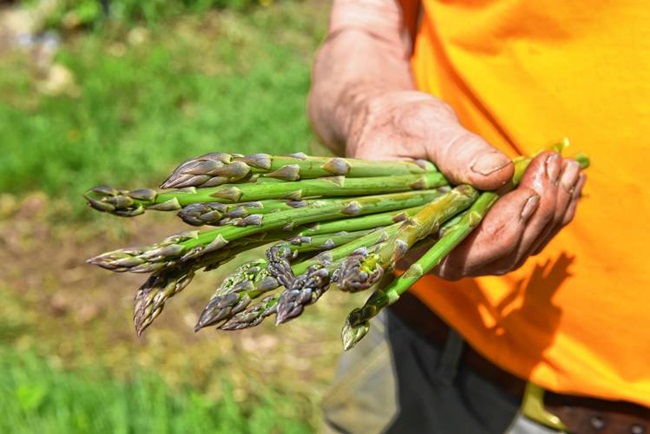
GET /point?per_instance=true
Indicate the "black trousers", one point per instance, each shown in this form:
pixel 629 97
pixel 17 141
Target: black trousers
pixel 396 382
pixel 437 394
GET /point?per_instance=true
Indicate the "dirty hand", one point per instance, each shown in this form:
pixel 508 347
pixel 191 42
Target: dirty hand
pixel 412 125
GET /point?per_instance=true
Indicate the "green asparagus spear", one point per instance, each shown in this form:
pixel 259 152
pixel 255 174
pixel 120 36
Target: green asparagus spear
pixel 219 168
pixel 127 203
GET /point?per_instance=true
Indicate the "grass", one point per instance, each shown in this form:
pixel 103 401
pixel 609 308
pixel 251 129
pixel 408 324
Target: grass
pixel 147 99
pixel 35 397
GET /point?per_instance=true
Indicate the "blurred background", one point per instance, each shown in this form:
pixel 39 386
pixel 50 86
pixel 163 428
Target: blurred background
pixel 120 92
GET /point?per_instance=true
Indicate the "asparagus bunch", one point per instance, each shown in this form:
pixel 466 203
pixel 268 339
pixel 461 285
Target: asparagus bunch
pixel 297 225
pixel 357 323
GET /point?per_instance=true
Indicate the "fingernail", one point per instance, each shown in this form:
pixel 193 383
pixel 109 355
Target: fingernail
pixel 570 175
pixel 529 208
pixel 553 167
pixel 489 164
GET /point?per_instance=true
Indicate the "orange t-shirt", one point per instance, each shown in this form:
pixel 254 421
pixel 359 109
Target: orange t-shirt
pixel 524 74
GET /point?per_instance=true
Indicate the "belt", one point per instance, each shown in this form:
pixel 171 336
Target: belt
pixel 581 415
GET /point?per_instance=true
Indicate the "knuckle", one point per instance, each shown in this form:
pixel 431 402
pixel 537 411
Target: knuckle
pixel 444 110
pixel 449 272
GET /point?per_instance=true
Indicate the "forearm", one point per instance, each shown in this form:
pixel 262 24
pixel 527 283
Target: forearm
pixel 365 54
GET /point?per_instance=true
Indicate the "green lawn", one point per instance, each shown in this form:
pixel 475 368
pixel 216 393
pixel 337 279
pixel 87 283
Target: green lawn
pixel 35 398
pixel 149 98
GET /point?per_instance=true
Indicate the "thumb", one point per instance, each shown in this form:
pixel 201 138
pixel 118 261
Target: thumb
pixel 465 158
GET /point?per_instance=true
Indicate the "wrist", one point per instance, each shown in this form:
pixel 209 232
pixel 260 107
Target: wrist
pixel 356 63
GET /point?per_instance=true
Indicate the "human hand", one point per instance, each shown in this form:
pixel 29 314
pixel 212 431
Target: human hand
pixel 407 125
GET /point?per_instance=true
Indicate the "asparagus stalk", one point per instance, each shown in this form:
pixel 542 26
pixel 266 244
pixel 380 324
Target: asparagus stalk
pixel 127 203
pixel 249 281
pixel 215 213
pixel 218 168
pixel 371 221
pixel 247 213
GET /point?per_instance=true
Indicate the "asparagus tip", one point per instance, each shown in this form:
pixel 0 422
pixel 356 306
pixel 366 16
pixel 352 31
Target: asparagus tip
pixel 291 305
pixel 583 160
pixel 352 334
